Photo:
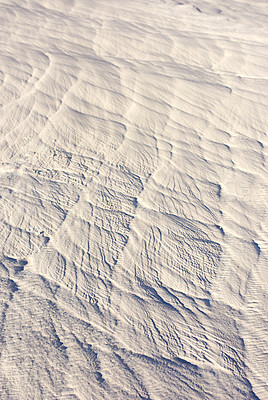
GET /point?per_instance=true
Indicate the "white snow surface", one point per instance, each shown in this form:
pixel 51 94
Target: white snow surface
pixel 133 200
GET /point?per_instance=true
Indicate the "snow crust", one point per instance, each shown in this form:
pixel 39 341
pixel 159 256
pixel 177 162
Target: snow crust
pixel 133 200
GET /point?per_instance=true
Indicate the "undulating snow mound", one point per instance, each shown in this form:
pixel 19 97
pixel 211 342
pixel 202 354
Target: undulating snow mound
pixel 133 200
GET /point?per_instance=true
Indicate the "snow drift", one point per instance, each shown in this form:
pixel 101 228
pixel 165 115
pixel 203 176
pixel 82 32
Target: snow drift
pixel 133 200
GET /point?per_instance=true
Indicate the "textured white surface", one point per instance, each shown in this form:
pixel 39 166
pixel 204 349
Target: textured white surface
pixel 133 200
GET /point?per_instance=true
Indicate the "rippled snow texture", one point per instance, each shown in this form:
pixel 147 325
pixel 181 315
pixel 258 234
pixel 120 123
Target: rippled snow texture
pixel 133 198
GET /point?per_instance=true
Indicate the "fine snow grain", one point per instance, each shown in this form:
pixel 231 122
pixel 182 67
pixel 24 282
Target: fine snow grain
pixel 133 199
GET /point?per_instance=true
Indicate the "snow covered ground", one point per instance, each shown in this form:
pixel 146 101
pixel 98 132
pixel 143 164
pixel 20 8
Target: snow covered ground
pixel 133 200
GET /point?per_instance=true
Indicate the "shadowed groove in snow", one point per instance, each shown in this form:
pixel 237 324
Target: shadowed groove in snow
pixel 133 200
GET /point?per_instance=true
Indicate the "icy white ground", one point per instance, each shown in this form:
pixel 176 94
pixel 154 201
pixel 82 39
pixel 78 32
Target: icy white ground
pixel 133 184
